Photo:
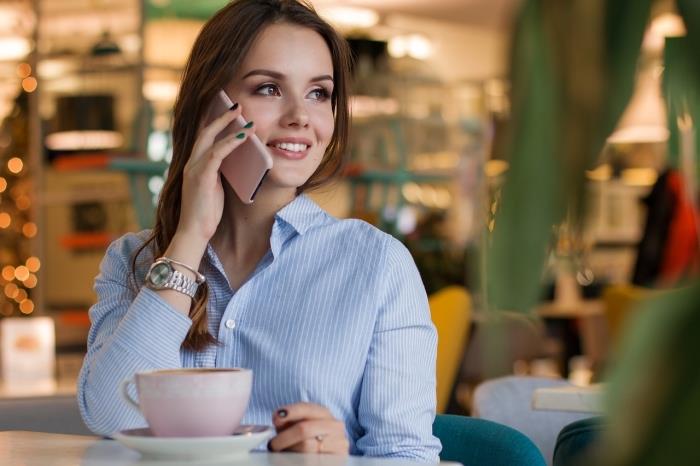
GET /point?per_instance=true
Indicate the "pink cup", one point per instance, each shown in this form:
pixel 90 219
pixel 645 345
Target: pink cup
pixel 191 402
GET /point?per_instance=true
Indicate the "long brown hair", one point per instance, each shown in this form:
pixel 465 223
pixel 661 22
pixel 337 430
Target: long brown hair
pixel 216 56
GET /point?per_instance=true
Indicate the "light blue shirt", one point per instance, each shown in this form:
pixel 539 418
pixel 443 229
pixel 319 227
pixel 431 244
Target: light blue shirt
pixel 334 314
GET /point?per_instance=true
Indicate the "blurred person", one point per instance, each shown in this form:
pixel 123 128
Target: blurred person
pixel 330 315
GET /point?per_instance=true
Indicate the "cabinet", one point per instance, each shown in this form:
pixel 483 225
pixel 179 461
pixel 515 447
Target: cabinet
pixel 418 151
pixel 90 71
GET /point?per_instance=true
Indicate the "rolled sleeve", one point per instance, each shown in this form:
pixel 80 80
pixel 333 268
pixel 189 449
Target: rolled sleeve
pixel 131 331
pixel 397 399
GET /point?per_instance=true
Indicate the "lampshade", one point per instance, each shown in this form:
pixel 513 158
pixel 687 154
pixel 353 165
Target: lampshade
pixel 644 119
pixel 84 122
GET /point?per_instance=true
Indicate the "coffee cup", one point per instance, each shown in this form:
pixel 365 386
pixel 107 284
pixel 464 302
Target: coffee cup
pixel 191 402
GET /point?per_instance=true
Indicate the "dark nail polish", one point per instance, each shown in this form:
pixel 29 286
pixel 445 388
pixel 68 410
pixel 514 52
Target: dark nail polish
pixel 282 413
pixel 240 135
pixel 269 446
pixel 249 124
pixel 234 106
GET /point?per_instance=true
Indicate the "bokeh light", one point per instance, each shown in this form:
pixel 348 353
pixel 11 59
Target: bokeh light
pixel 29 229
pixel 31 281
pixel 29 84
pixel 15 165
pixel 24 70
pixel 8 273
pixel 23 202
pixel 33 264
pixel 11 290
pixel 26 306
pixel 21 273
pixel 5 220
pixel 21 295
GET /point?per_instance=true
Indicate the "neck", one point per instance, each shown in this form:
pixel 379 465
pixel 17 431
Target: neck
pixel 245 229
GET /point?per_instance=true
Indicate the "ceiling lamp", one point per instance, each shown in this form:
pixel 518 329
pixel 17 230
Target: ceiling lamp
pixel 413 45
pixel 349 17
pixel 644 119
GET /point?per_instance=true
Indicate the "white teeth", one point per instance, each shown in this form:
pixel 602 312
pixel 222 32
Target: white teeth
pixel 291 147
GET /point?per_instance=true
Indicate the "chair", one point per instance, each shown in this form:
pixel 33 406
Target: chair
pixel 55 414
pixel 620 301
pixel 476 442
pixel 576 440
pixel 450 309
pixel 508 401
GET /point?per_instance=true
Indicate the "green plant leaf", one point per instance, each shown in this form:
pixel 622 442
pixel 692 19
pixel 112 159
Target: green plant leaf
pixel 572 70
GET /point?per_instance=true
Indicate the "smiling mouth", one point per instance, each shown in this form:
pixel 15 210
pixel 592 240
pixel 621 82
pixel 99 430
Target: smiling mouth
pixel 290 150
pixel 291 147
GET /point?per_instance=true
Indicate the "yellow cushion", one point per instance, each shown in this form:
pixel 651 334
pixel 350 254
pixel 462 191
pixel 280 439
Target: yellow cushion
pixel 451 312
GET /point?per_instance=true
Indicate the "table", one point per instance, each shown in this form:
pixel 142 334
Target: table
pixel 592 328
pixel 577 399
pixel 41 449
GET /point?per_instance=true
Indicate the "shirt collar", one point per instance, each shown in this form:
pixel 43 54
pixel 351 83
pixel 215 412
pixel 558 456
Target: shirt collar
pixel 301 214
pixel 296 217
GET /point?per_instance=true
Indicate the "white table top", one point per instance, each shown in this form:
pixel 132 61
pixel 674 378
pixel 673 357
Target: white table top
pixel 578 399
pixel 40 449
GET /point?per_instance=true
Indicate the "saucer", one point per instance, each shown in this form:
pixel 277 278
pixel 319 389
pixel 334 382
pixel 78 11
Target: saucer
pixel 233 446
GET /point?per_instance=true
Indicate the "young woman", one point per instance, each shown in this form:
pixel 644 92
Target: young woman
pixel 330 315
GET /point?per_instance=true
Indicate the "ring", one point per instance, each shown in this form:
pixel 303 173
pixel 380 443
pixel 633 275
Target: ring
pixel 319 439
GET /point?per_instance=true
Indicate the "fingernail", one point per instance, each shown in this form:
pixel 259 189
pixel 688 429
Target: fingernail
pixel 240 135
pixel 249 124
pixel 234 106
pixel 269 446
pixel 282 413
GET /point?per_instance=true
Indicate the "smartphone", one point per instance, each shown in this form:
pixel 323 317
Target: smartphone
pixel 247 165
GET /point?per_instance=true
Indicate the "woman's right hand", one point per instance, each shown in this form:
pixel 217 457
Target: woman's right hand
pixel 202 192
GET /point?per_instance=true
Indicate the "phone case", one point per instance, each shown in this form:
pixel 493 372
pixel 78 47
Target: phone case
pixel 246 166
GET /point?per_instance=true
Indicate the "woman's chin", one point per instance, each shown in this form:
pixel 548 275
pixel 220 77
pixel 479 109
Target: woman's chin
pixel 287 179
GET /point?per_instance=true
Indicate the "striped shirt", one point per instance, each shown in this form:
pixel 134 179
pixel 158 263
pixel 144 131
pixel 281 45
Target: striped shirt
pixel 335 313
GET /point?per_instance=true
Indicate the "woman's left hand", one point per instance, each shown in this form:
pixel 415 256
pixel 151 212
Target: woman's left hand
pixel 308 428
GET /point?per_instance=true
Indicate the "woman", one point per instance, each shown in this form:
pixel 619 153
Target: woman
pixel 330 315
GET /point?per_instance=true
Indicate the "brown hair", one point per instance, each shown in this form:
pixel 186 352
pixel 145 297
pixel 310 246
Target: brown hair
pixel 216 56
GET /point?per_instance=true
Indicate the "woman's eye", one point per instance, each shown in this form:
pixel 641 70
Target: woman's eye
pixel 269 90
pixel 319 94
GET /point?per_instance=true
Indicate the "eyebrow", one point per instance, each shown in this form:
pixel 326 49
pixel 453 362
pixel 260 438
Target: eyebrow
pixel 280 76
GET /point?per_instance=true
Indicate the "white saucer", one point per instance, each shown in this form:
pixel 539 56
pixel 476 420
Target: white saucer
pixel 234 446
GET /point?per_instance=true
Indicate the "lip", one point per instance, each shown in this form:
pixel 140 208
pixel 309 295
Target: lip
pixel 289 154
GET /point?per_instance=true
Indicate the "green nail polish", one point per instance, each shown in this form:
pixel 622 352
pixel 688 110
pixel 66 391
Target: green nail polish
pixel 240 135
pixel 249 124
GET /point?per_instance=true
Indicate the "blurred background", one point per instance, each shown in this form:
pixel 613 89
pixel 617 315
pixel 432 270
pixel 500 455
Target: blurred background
pixel 86 95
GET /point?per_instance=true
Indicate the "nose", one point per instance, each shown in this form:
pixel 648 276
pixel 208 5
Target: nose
pixel 295 114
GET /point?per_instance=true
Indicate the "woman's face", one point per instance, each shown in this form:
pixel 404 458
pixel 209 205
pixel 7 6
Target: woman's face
pixel 284 85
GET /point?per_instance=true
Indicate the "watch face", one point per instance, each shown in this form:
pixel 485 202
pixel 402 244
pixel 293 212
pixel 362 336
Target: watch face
pixel 159 274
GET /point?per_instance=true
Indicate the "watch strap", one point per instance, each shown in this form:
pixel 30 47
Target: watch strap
pixel 179 282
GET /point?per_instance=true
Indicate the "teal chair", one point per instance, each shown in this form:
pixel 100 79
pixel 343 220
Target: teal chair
pixel 578 440
pixel 476 442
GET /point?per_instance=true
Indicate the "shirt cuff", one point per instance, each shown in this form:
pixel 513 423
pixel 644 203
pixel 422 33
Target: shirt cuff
pixel 152 328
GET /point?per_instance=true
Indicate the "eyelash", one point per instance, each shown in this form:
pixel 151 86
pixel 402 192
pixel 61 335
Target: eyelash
pixel 323 93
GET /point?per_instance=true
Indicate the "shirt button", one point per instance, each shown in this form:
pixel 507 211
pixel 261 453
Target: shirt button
pixel 231 324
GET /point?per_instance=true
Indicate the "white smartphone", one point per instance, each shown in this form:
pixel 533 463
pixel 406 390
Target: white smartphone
pixel 246 166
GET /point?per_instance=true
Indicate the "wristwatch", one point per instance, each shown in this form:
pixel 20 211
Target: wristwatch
pixel 162 275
